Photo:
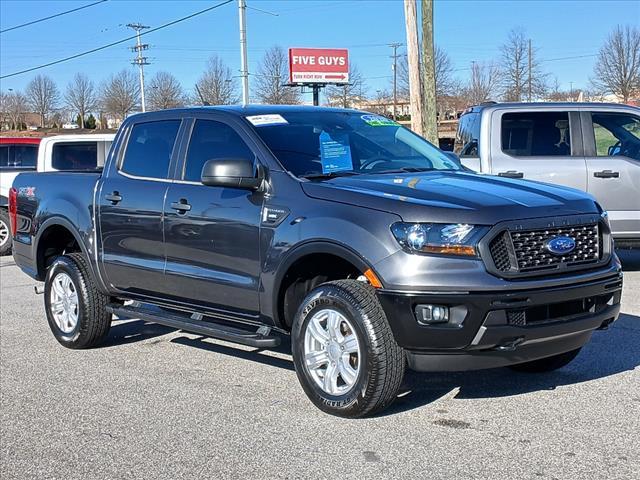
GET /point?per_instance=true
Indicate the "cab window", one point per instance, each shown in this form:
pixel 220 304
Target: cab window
pixel 75 156
pixel 536 134
pixel 149 149
pixel 616 134
pixel 212 140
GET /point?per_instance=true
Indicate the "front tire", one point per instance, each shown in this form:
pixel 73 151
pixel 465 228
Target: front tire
pixel 76 309
pixel 548 364
pixel 344 352
pixel 5 233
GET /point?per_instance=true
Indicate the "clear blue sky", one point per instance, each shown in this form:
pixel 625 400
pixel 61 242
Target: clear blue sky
pixel 467 30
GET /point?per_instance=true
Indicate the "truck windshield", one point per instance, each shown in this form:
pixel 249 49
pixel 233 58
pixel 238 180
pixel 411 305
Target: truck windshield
pixel 318 144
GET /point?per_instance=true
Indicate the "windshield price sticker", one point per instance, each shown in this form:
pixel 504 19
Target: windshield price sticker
pixel 379 121
pixel 335 152
pixel 264 120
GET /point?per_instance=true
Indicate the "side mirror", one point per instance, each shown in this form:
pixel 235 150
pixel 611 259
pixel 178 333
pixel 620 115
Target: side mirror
pixel 231 172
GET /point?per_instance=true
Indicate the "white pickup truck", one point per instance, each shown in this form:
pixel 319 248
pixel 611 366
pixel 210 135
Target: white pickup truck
pixel 594 147
pixel 56 153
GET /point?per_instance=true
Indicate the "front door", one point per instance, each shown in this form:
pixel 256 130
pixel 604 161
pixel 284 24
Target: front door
pixel 131 202
pixel 612 145
pixel 212 233
pixel 538 145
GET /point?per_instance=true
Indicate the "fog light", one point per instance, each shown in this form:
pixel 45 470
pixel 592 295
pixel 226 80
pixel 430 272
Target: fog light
pixel 430 314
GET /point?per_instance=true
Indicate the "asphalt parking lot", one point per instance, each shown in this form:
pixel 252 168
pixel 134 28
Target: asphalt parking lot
pixel 159 403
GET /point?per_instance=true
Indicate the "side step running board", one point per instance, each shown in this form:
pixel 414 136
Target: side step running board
pixel 194 324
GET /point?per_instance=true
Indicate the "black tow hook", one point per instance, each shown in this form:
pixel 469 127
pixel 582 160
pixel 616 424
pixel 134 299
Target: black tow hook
pixel 509 346
pixel 39 289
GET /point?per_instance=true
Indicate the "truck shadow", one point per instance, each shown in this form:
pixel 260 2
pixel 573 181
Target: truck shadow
pixel 608 353
pixel 630 260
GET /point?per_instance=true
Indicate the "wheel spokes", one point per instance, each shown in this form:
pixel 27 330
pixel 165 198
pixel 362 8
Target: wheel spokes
pixel 331 378
pixel 318 333
pixel 350 344
pixel 316 359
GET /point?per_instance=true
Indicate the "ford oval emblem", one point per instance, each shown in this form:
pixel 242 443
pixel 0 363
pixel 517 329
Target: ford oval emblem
pixel 561 245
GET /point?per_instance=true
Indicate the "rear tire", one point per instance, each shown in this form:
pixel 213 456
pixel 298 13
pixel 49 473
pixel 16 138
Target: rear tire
pixel 6 240
pixel 344 352
pixel 76 309
pixel 548 364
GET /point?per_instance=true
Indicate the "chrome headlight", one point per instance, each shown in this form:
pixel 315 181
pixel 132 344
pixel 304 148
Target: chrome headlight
pixel 451 239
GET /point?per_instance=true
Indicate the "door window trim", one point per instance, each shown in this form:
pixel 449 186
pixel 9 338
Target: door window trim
pixel 575 134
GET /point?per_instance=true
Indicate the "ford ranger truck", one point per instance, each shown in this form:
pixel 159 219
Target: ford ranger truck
pixel 366 244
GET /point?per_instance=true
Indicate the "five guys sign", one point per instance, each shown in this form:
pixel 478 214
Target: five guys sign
pixel 318 65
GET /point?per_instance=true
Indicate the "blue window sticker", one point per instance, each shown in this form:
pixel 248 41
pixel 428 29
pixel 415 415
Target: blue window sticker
pixel 335 152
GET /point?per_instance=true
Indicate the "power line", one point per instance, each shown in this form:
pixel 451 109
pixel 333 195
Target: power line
pixel 97 49
pixel 50 17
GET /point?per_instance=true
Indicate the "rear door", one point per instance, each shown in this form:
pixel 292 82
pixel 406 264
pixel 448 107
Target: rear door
pixel 542 145
pixel 131 202
pixel 212 233
pixel 612 148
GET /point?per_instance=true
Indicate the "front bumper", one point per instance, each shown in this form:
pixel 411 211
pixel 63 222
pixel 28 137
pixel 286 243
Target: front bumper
pixel 503 327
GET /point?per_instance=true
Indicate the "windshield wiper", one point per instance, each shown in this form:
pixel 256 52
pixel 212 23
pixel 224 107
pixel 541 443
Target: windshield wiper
pixel 408 170
pixel 341 173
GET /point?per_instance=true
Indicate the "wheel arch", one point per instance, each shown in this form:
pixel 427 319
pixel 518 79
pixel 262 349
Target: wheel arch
pixel 346 257
pixel 46 241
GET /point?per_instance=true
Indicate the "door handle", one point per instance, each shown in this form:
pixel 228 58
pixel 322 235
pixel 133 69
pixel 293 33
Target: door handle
pixel 182 206
pixel 606 174
pixel 113 197
pixel 511 174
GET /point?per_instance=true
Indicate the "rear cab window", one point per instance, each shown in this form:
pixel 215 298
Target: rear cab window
pixel 18 157
pixel 75 156
pixel 536 134
pixel 149 149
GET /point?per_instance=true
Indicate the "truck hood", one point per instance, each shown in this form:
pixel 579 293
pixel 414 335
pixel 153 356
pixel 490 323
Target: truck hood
pixel 446 197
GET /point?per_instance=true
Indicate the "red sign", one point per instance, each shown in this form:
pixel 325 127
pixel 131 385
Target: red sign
pixel 318 65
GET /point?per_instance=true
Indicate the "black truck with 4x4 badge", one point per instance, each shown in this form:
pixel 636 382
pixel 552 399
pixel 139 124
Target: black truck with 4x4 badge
pixel 373 249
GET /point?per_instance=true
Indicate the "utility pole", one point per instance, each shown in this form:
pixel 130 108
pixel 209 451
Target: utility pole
pixel 529 97
pixel 430 118
pixel 395 55
pixel 140 60
pixel 244 73
pixel 413 60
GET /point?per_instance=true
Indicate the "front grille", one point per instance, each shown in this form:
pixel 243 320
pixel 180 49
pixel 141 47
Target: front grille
pixel 525 251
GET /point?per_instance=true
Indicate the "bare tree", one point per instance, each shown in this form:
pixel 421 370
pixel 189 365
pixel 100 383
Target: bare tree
pixel 446 83
pixel 272 75
pixel 346 94
pixel 14 106
pixel 121 94
pixel 43 96
pixel 483 84
pixel 617 68
pixel 216 85
pixel 521 71
pixel 81 96
pixel 165 92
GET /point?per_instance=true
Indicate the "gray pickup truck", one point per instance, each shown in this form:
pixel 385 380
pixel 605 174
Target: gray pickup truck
pixel 369 246
pixel 594 147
